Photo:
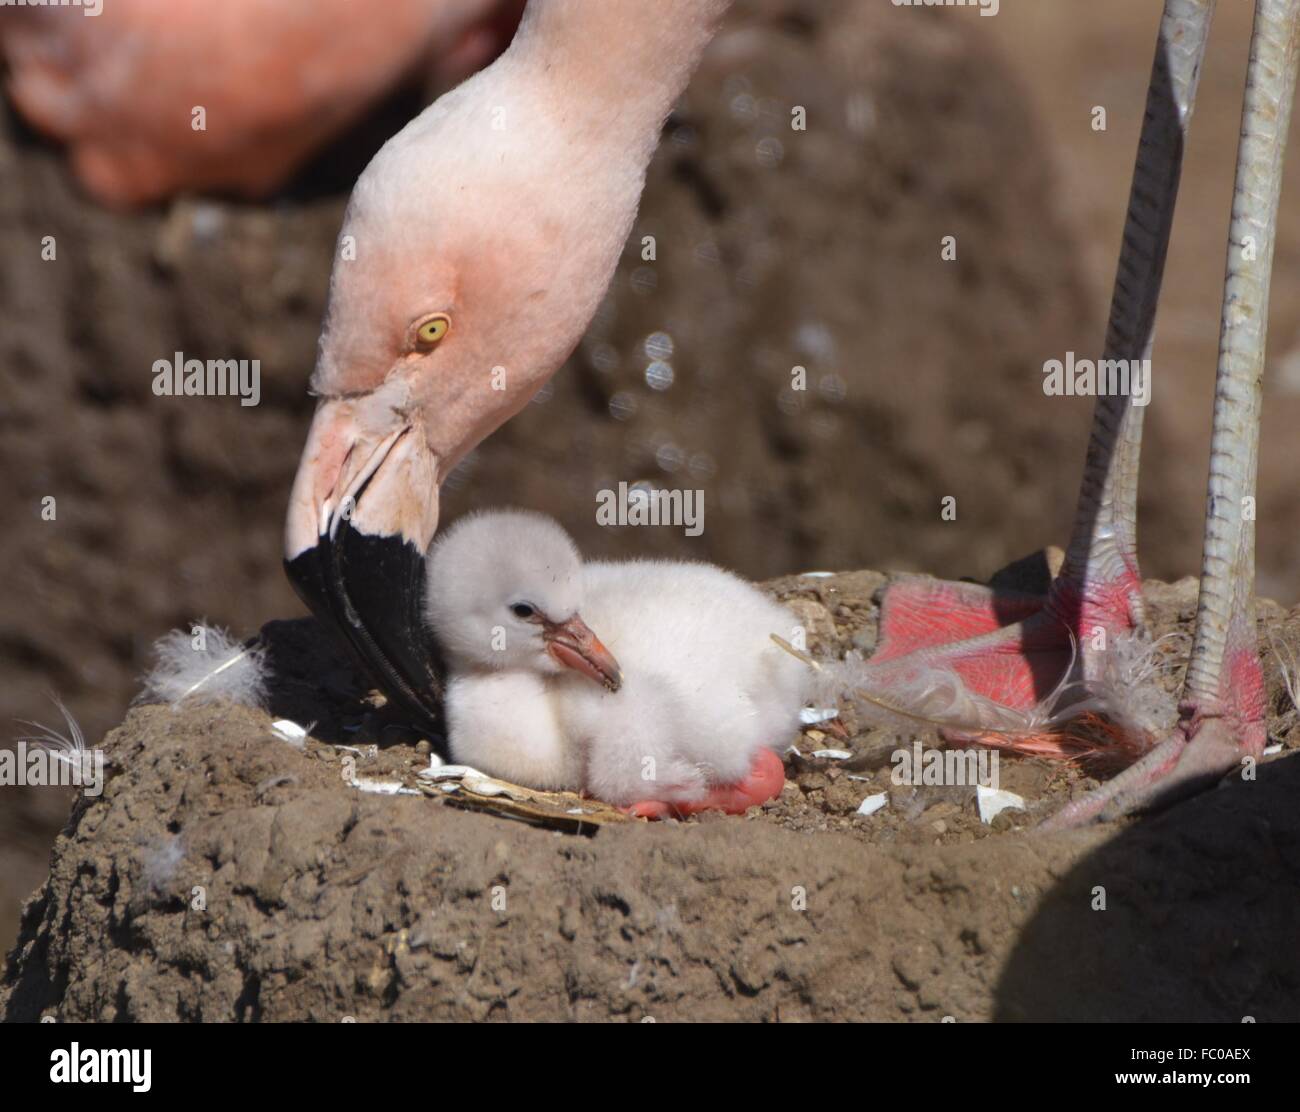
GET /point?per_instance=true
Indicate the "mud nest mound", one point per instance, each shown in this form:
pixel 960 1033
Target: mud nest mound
pixel 225 874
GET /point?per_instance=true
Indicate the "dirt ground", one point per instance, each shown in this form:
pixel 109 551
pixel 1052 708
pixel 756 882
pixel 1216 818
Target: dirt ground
pixel 775 249
pixel 225 874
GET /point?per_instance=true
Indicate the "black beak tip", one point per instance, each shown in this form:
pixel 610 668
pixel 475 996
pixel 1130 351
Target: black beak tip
pixel 371 589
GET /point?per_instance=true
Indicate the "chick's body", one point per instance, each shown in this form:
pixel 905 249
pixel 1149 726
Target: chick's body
pixel 703 687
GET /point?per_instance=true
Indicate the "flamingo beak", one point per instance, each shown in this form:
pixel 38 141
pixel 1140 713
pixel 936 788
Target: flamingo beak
pixel 573 644
pixel 363 510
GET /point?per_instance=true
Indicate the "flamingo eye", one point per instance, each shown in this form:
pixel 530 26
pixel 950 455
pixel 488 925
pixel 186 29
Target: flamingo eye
pixel 523 610
pixel 432 330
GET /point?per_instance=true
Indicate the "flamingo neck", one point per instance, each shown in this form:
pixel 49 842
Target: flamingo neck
pixel 618 65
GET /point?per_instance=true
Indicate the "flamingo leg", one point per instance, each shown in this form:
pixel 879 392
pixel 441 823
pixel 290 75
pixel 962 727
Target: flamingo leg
pixel 1011 649
pixel 1221 714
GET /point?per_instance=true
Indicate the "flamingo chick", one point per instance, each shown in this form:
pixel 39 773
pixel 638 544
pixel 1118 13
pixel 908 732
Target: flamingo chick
pixel 690 697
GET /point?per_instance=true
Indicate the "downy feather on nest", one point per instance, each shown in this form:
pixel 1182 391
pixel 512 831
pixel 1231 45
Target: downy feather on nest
pixel 206 665
pixel 69 748
pixel 1105 723
pixel 1288 670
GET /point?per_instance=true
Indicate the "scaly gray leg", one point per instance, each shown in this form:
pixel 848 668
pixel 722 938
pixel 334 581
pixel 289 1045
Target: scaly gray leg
pixel 1222 709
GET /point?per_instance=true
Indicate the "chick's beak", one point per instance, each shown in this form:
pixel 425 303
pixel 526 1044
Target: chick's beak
pixel 363 510
pixel 573 644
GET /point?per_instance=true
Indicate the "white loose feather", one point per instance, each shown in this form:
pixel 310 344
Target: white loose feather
pixel 1111 719
pixel 161 858
pixel 931 697
pixel 70 748
pixel 1132 690
pixel 925 698
pixel 204 665
pixel 1289 669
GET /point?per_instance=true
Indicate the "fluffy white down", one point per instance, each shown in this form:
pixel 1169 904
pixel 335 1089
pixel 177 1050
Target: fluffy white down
pixel 704 688
pixel 206 664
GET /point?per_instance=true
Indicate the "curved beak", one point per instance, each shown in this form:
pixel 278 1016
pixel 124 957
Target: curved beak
pixel 363 510
pixel 574 645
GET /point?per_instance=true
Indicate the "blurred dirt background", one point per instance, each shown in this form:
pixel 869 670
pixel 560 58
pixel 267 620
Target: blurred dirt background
pixel 775 248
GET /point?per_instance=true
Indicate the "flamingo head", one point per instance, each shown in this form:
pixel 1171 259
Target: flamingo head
pixel 474 252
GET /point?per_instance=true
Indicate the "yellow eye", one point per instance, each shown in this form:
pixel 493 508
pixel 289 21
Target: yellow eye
pixel 431 331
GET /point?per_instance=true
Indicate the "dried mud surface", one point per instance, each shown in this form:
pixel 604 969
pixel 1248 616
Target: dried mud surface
pixel 321 901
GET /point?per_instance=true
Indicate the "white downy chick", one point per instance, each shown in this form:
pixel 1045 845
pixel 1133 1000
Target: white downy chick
pixel 698 688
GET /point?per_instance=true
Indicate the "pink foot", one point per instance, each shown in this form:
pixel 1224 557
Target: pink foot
pixel 1014 649
pixel 1010 648
pixel 765 780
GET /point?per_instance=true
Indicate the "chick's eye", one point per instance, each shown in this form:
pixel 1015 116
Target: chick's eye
pixel 522 610
pixel 431 331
